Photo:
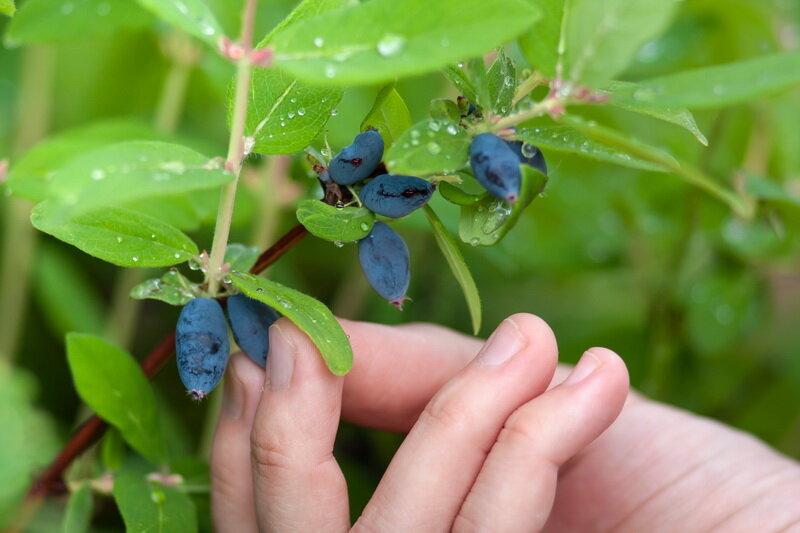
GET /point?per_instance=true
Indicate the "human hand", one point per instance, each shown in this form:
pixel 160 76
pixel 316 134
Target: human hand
pixel 485 442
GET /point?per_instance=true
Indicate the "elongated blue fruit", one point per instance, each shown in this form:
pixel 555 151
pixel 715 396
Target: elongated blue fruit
pixel 395 196
pixel 529 155
pixel 356 162
pixel 201 345
pixel 384 259
pixel 496 166
pixel 250 321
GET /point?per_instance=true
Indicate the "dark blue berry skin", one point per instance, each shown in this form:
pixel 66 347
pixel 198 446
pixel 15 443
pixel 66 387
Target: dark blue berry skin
pixel 250 321
pixel 496 166
pixel 536 160
pixel 356 162
pixel 395 196
pixel 384 259
pixel 201 345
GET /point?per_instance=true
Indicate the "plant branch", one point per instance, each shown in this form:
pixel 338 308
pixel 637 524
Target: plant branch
pixel 236 150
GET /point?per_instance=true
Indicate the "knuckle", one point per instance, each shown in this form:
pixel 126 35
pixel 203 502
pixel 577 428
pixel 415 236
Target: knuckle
pixel 267 455
pixel 443 411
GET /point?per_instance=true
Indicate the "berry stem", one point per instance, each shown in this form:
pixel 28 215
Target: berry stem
pixel 236 151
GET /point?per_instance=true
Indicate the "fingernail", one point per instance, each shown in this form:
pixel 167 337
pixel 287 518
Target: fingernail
pixel 501 346
pixel 586 366
pixel 281 358
pixel 233 392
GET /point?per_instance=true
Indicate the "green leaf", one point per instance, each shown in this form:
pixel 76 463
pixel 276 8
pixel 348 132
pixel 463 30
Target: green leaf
pixel 720 85
pixel 334 224
pixel 172 288
pixel 488 221
pixel 480 80
pixel 79 510
pixel 570 140
pixel 65 294
pixel 7 7
pixel 192 16
pixel 540 44
pixel 380 40
pixel 284 115
pixel 55 21
pixel 308 314
pixel 113 385
pixel 131 171
pixel 31 175
pixel 679 116
pixel 433 146
pixel 766 189
pixel 389 115
pixel 642 150
pixel 119 236
pixel 449 247
pixel 304 10
pixel 112 450
pixel 457 196
pixel 458 77
pixel 444 108
pixel 240 257
pixel 602 38
pixel 502 78
pixel 148 507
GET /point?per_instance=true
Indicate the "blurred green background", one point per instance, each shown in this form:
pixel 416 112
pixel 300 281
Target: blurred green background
pixel 703 306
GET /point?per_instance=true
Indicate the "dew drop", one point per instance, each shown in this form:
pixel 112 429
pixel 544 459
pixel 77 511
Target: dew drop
pixel 334 112
pixel 474 241
pixel 293 100
pixel 338 244
pixel 508 81
pixel 330 71
pixel 319 42
pixel 301 111
pixel 135 258
pixel 291 114
pixel 119 240
pixel 452 129
pixel 434 148
pixel 98 174
pixel 206 28
pixel 391 44
pixel 177 256
pixel 364 226
pixel 528 150
pixel 67 8
pixel 259 289
pixel 434 126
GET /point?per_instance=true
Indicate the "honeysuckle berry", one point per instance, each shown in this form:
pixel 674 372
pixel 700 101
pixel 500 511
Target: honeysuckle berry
pixel 395 196
pixel 250 321
pixel 384 259
pixel 359 160
pixel 201 345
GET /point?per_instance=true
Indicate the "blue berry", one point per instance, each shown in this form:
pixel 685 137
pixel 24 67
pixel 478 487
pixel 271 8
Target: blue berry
pixel 356 162
pixel 250 321
pixel 395 196
pixel 496 166
pixel 201 345
pixel 531 155
pixel 384 259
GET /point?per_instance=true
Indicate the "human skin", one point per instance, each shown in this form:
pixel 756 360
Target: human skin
pixel 488 449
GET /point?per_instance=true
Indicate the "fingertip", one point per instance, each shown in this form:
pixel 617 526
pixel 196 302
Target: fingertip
pixel 538 332
pixel 613 364
pixel 244 381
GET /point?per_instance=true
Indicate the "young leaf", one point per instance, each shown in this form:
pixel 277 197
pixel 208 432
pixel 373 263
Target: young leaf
pixel 284 115
pixel 381 40
pixel 192 16
pixel 447 244
pixel 54 21
pixel 444 108
pixel 570 140
pixel 718 86
pixel 113 385
pixel 112 450
pixel 680 116
pixel 67 296
pixel 148 506
pixel 172 288
pixel 119 236
pixel 642 150
pixel 130 171
pixel 540 43
pixel 7 7
pixel 488 221
pixel 31 175
pixel 241 257
pixel 79 510
pixel 502 78
pixel 346 224
pixel 389 115
pixel 304 10
pixel 429 147
pixel 601 38
pixel 480 80
pixel 457 196
pixel 766 189
pixel 308 314
pixel 458 77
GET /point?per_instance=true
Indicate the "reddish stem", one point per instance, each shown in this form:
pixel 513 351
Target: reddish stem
pixel 50 480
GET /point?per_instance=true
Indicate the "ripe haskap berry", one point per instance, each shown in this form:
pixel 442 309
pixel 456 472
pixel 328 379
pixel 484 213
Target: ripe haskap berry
pixel 201 345
pixel 357 161
pixel 395 196
pixel 496 166
pixel 250 321
pixel 384 259
pixel 529 155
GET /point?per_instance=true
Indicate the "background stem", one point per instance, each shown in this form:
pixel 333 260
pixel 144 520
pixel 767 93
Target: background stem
pixel 34 112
